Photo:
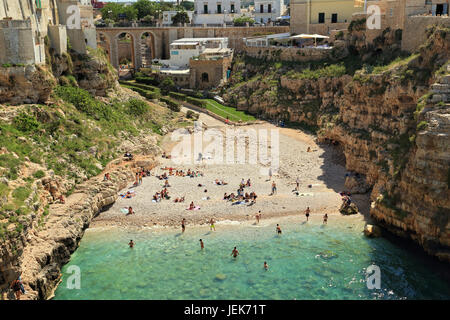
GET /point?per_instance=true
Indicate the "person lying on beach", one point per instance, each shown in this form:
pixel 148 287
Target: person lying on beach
pixel 130 211
pixel 128 195
pixel 128 156
pixel 107 177
pixel 61 199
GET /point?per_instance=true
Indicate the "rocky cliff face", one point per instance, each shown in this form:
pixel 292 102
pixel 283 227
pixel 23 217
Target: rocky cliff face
pixel 34 84
pixel 392 124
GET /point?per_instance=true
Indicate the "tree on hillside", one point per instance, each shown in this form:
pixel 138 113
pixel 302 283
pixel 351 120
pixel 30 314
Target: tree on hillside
pixel 145 8
pixel 242 20
pixel 180 17
pixel 116 11
pixel 187 5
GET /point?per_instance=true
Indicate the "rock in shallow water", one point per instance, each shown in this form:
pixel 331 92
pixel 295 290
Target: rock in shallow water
pixel 220 277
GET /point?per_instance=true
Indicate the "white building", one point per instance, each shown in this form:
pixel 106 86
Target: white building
pixel 168 15
pixel 268 10
pixel 182 50
pixel 216 12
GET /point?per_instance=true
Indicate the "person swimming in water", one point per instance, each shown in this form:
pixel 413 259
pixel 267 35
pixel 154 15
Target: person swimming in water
pixel 131 244
pixel 234 253
pixel 278 229
pixel 266 267
pixel 202 246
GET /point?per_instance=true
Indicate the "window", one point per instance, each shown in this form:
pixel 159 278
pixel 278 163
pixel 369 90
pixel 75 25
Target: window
pixel 219 8
pixel 205 9
pixel 261 8
pixel 232 8
pixel 391 13
pixel 321 17
pixel 269 8
pixel 205 77
pixel 334 18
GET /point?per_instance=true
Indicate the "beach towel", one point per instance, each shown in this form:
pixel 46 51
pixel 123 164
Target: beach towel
pixel 196 208
pixel 124 210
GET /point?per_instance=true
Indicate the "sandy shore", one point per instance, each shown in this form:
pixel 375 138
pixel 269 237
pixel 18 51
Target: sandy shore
pixel 319 168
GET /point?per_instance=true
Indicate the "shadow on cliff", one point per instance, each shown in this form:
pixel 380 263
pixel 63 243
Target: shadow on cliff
pixel 334 172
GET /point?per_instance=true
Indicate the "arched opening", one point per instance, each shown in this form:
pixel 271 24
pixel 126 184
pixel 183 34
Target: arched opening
pixel 205 77
pixel 147 48
pixel 125 53
pixel 104 43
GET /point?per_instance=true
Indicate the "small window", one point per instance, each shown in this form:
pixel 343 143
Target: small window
pixel 334 18
pixel 261 8
pixel 322 17
pixel 219 8
pixel 205 9
pixel 269 8
pixel 205 77
pixel 232 8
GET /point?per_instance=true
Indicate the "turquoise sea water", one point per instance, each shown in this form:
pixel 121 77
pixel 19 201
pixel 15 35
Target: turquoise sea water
pixel 308 261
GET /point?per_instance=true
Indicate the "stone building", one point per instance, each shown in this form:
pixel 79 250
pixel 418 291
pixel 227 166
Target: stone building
pixel 216 12
pixel 266 11
pixel 321 16
pixel 210 68
pixel 25 24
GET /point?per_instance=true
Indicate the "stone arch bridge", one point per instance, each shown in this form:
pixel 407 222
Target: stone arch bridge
pixel 156 40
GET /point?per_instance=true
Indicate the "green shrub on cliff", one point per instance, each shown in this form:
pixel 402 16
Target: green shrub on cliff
pixel 137 107
pixel 334 70
pixel 26 123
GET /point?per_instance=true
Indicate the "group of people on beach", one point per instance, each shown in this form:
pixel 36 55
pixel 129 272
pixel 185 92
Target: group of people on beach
pixel 180 173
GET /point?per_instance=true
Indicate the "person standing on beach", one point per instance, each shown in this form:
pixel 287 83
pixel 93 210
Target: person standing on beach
pixel 211 224
pixel 183 225
pixel 140 177
pixel 307 211
pixel 234 253
pixel 325 219
pixel 201 244
pixel 274 187
pixel 131 244
pixel 297 183
pixel 258 216
pixel 270 173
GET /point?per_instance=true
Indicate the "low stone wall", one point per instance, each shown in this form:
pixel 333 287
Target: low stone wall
pixel 287 53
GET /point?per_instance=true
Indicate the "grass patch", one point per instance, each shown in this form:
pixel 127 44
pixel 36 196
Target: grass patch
pixel 225 111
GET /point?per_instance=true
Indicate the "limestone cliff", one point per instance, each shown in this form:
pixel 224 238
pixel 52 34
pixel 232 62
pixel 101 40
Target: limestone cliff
pixel 20 84
pixel 391 122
